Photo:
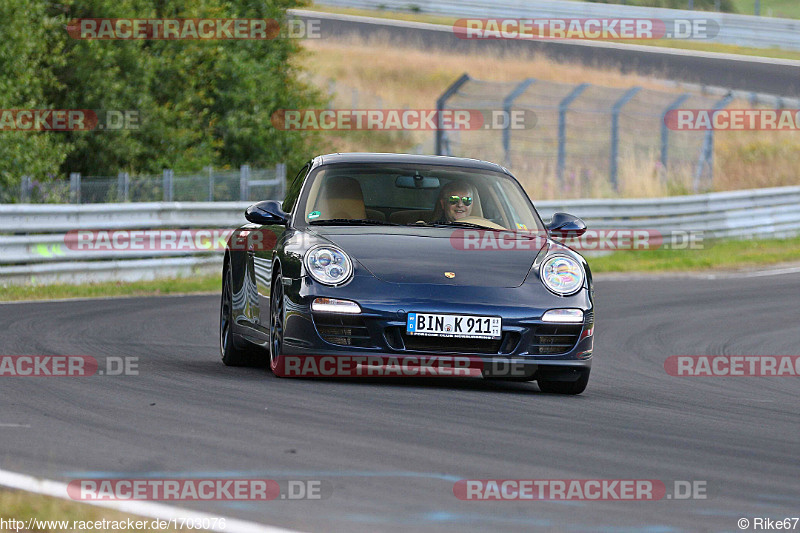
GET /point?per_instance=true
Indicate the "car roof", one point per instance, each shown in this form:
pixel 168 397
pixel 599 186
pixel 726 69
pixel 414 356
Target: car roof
pixel 366 157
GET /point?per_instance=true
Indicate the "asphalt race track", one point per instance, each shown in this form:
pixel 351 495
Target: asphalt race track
pixel 392 449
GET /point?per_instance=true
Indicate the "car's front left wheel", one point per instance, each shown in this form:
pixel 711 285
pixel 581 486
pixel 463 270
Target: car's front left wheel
pixel 231 354
pixel 276 318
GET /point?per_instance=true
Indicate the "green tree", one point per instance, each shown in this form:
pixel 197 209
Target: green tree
pixel 200 102
pixel 29 52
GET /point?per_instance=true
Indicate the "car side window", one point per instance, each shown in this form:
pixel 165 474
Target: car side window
pixel 293 190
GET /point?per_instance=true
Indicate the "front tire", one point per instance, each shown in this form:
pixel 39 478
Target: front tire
pixel 231 354
pixel 276 320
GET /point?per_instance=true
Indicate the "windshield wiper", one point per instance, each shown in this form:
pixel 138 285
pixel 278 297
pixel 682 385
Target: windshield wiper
pixel 351 222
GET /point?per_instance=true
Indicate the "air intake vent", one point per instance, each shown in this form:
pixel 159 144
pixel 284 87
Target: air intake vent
pixel 345 330
pixel 552 339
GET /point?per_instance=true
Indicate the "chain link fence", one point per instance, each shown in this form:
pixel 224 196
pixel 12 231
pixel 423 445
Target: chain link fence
pixel 210 185
pixel 587 140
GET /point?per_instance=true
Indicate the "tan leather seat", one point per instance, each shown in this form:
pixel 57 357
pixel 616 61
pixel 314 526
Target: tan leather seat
pixel 341 197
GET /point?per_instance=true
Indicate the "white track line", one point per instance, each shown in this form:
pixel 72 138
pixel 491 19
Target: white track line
pixel 141 508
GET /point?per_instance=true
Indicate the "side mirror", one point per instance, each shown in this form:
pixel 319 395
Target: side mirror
pixel 566 225
pixel 266 213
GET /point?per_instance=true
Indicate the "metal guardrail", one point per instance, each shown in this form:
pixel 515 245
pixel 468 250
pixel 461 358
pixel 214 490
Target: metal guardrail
pixel 33 237
pixel 33 241
pixel 742 30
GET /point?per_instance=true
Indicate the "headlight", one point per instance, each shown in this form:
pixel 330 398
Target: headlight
pixel 328 264
pixel 562 274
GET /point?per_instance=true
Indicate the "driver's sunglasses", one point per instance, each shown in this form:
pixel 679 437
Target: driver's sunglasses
pixel 455 199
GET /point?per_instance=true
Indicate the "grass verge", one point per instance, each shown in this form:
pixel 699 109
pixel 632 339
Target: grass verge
pixel 716 255
pixel 161 287
pixel 25 506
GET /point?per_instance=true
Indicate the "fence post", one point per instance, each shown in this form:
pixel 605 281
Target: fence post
pixel 75 186
pixel 665 131
pixel 210 183
pixel 123 181
pixel 24 189
pixel 615 111
pixel 507 103
pixel 563 106
pixel 331 92
pixel 707 152
pixel 244 182
pixel 167 184
pixel 440 103
pixel 280 175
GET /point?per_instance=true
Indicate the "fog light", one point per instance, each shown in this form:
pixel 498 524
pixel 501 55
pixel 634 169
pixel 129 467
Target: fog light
pixel 332 305
pixel 564 316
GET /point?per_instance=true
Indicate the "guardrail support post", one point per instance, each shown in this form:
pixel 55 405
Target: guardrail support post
pixel 615 111
pixel 706 160
pixel 280 175
pixel 167 184
pixel 441 139
pixel 563 106
pixel 665 131
pixel 507 103
pixel 75 187
pixel 244 179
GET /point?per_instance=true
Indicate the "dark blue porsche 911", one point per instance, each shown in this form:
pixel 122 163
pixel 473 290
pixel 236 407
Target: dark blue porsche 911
pixel 410 258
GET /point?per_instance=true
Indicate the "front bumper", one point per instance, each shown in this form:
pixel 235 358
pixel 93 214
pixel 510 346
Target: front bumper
pixel 380 328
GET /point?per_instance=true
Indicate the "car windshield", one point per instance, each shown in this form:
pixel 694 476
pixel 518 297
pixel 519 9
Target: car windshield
pixel 423 195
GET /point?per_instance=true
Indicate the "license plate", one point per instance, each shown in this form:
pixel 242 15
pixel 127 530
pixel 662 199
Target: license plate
pixel 470 326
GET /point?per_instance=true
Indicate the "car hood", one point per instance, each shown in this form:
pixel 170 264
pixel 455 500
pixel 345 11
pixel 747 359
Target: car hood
pixel 424 255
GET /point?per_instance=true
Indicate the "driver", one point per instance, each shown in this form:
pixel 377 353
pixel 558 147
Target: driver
pixel 455 202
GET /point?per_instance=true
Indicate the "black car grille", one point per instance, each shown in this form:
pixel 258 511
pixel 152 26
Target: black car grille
pixel 400 340
pixel 553 339
pixel 344 330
